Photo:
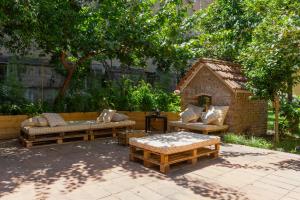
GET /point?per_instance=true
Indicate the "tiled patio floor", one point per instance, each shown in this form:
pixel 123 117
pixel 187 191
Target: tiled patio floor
pixel 101 170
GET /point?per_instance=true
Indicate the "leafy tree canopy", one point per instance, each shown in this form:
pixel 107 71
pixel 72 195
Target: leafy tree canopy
pixel 262 35
pixel 75 31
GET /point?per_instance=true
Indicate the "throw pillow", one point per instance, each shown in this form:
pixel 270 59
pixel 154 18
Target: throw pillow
pixel 188 115
pixel 42 121
pixel 35 121
pixel 54 119
pixel 30 122
pixel 198 110
pixel 106 115
pixel 117 117
pixel 221 114
pixel 210 116
pixel 215 115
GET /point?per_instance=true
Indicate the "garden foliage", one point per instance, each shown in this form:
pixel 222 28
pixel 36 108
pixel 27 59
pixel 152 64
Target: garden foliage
pixel 124 95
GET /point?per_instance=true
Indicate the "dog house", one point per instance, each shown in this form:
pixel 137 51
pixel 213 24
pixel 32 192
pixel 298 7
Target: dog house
pixel 221 83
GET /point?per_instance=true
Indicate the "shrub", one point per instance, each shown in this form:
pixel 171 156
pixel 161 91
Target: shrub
pixel 119 95
pixel 248 141
pixel 143 97
pixel 290 115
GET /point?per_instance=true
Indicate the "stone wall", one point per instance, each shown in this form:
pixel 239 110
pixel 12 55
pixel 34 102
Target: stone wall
pixel 244 115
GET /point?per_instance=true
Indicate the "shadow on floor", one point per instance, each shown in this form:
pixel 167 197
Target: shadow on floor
pixel 77 163
pixel 291 164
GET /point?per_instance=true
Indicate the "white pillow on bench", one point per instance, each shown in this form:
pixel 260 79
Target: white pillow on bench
pixel 54 119
pixel 191 114
pixel 215 115
pixel 106 116
pixel 118 117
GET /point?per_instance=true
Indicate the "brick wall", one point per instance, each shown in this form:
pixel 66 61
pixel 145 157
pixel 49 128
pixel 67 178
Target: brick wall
pixel 249 116
pixel 206 83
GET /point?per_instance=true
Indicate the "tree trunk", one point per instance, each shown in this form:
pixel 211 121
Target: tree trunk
pixel 70 71
pixel 290 91
pixel 70 67
pixel 276 105
pixel 107 68
pixel 66 83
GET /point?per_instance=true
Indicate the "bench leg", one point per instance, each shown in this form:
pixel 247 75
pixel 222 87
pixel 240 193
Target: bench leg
pixel 86 137
pixel 164 163
pixel 114 132
pixel 59 141
pixel 28 144
pixel 170 128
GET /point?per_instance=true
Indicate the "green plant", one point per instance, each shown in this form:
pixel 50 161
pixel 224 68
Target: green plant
pixel 142 97
pixel 287 143
pixel 249 141
pixel 290 115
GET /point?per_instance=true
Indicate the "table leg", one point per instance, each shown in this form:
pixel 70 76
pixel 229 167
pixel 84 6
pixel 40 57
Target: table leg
pixel 217 148
pixel 132 152
pixel 165 125
pixel 194 160
pixel 146 158
pixel 146 124
pixel 164 163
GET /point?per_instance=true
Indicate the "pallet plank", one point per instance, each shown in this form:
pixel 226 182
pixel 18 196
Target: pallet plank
pixel 164 161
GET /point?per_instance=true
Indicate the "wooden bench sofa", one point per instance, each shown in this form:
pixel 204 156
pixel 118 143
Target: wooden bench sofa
pixel 74 130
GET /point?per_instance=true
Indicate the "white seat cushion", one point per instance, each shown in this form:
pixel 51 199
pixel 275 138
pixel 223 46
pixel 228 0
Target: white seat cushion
pixel 174 142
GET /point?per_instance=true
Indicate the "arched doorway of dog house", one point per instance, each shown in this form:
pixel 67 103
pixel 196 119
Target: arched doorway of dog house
pixel 204 101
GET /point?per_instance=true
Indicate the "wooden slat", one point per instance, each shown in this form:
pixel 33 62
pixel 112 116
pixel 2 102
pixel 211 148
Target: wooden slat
pixel 164 161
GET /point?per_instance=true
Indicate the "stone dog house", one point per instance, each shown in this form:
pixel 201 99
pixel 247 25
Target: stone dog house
pixel 221 83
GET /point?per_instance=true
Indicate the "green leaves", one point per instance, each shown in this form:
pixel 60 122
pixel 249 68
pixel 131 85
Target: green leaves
pixel 272 58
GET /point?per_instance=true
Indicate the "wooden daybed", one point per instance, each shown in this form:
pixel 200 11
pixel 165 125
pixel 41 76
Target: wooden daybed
pixel 82 130
pixel 196 126
pixel 167 149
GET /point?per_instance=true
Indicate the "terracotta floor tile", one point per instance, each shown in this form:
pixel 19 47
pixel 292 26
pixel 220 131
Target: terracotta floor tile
pixel 101 170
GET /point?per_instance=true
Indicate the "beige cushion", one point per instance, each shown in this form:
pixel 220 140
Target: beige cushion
pixel 42 121
pixel 117 117
pixel 54 119
pixel 71 126
pixel 35 121
pixel 174 142
pixel 188 115
pixel 221 112
pixel 200 126
pixel 198 110
pixel 30 122
pixel 215 115
pixel 106 115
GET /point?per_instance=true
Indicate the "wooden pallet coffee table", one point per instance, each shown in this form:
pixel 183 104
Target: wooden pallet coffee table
pixel 167 149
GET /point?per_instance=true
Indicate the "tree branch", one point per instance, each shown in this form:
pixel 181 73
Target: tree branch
pixel 85 57
pixel 63 59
